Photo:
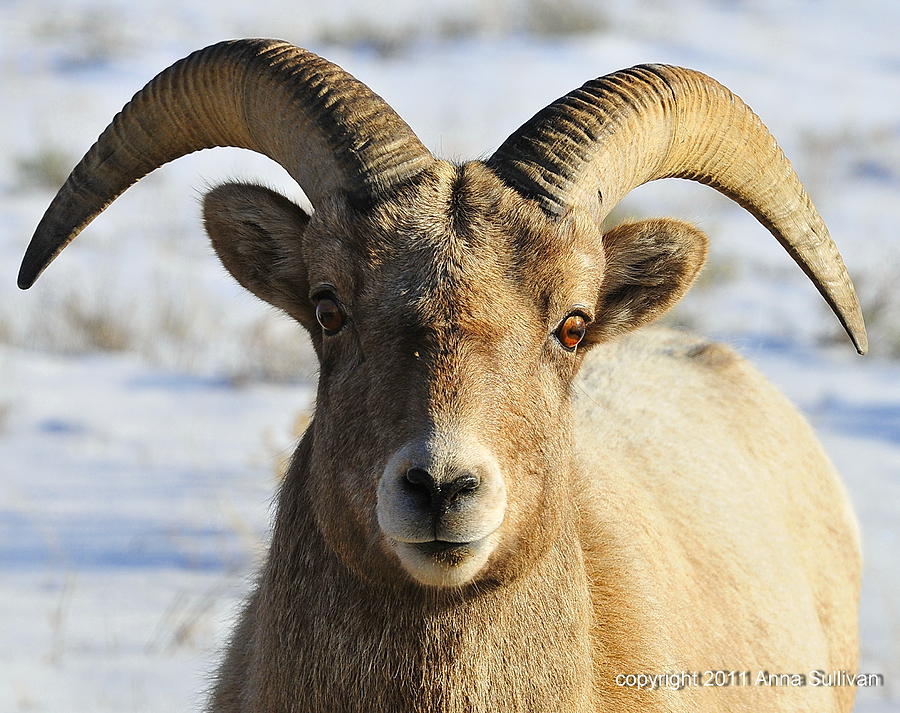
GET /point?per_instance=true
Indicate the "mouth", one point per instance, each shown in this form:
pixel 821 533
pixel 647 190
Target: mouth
pixel 440 563
pixel 446 553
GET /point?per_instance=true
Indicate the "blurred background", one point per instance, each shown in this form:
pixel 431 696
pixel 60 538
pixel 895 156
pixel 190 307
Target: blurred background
pixel 147 404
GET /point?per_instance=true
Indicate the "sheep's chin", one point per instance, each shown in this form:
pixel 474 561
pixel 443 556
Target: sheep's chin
pixel 453 567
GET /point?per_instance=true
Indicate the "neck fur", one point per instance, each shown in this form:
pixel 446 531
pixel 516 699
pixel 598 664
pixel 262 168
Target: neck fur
pixel 327 640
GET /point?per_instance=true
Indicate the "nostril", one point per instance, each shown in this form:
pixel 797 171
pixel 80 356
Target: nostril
pixel 462 485
pixel 421 480
pixel 434 495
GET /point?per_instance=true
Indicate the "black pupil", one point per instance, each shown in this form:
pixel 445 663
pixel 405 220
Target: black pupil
pixel 329 315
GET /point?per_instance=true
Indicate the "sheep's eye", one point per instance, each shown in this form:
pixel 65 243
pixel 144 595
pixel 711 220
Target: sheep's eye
pixel 572 331
pixel 330 315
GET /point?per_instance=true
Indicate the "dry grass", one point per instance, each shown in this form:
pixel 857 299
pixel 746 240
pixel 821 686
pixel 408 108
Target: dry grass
pixel 281 456
pixel 880 301
pixel 717 272
pixel 397 38
pixel 187 621
pixel 59 617
pixel 564 17
pixel 872 154
pixel 68 322
pixel 545 18
pixel 181 329
pixel 274 350
pixel 47 168
pixel 90 36
pixel 95 328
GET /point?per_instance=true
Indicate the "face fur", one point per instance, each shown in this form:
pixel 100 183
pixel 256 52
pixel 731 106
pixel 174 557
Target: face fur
pixel 449 321
pixel 443 383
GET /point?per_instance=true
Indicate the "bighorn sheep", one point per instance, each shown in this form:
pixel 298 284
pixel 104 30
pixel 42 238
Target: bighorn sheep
pixel 505 502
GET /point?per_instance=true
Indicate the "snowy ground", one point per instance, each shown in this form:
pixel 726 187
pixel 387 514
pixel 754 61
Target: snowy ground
pixel 145 402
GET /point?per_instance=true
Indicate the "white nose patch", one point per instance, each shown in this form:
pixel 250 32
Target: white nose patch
pixel 441 532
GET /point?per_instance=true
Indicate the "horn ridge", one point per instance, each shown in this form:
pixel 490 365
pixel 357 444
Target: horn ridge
pixel 327 129
pixel 591 147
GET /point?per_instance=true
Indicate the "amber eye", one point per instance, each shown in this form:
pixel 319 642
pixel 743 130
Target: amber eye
pixel 329 315
pixel 572 331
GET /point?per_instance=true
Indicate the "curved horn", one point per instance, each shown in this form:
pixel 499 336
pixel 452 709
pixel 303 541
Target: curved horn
pixel 597 143
pixel 327 129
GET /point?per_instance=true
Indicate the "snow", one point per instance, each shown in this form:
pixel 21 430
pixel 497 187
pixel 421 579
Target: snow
pixel 130 522
pixel 136 484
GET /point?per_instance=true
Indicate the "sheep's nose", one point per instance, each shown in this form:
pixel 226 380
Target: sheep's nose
pixel 438 496
pixel 444 488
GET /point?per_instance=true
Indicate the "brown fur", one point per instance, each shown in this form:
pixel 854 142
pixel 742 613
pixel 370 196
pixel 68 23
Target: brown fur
pixel 667 509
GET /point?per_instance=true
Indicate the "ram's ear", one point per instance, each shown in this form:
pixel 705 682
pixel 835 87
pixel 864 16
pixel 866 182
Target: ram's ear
pixel 650 265
pixel 256 233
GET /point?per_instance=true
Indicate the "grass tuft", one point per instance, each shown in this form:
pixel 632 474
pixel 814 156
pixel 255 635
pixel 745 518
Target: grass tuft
pixel 93 328
pixel 880 304
pixel 564 17
pixel 47 168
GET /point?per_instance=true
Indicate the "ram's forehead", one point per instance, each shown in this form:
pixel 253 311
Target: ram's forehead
pixel 448 206
pixel 444 281
pixel 461 245
pixel 448 229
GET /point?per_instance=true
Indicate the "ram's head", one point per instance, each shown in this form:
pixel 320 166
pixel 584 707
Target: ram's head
pixel 450 305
